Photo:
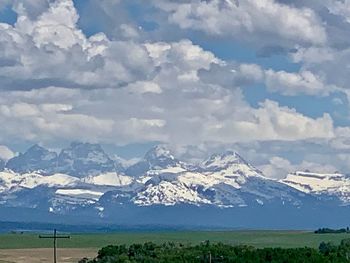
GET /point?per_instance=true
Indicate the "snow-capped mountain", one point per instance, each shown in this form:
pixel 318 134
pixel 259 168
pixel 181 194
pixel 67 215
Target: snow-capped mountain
pixel 34 159
pixel 58 191
pixel 84 179
pixel 78 160
pixel 83 173
pixel 158 158
pixel 81 159
pixel 224 180
pixel 332 185
pixel 217 162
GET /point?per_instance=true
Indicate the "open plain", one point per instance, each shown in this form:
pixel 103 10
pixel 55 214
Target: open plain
pixel 44 255
pixel 28 248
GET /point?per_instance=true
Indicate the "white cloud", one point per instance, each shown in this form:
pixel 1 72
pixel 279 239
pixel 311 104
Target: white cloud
pixel 144 87
pixel 313 55
pixel 163 97
pixel 264 20
pixel 330 63
pixel 179 114
pixel 58 84
pixel 279 168
pixel 286 83
pixel 5 153
pixel 341 8
pixel 47 122
pixel 50 49
pixel 342 139
pixel 304 82
pixel 129 31
pixel 56 25
pixel 252 72
pixel 272 122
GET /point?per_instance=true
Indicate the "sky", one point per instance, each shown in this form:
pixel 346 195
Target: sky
pixel 267 78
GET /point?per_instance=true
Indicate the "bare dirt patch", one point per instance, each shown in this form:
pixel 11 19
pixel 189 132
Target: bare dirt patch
pixel 45 255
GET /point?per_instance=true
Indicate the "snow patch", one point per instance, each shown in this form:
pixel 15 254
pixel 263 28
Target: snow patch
pixel 82 193
pixel 316 183
pixel 110 179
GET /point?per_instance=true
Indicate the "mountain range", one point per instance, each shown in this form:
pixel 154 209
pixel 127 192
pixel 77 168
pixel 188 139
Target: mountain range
pixel 82 182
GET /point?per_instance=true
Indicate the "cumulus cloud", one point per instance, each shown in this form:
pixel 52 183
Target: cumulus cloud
pixel 278 167
pixel 231 74
pixel 120 87
pixel 328 61
pixel 271 121
pixel 162 94
pixel 331 63
pixel 304 82
pixel 286 83
pixel 46 121
pixel 50 50
pixel 57 25
pixel 252 19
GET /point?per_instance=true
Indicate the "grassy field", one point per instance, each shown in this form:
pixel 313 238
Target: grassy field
pixel 43 255
pixel 254 238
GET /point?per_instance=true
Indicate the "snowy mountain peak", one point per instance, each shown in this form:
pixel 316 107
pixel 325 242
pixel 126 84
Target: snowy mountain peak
pixel 83 176
pixel 36 158
pixel 159 151
pixel 38 151
pixel 81 159
pixel 223 160
pixel 161 157
pixel 80 148
pixel 36 148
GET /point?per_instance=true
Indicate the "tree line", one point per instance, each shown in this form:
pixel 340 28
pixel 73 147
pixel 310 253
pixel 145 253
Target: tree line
pixel 220 253
pixel 332 231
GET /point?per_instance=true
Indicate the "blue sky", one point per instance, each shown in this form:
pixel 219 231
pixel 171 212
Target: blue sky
pixel 7 15
pixel 262 77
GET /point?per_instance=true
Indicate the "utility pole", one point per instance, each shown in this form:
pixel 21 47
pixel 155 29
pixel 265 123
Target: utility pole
pixel 54 237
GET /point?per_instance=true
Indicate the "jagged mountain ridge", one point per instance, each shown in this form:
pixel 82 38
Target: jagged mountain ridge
pixel 79 160
pixel 159 157
pixel 82 159
pixel 85 177
pixel 224 180
pixel 36 158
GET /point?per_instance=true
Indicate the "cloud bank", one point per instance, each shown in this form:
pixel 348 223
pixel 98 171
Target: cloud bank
pixel 132 84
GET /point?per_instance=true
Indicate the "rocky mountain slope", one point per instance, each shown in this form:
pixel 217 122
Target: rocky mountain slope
pixel 224 180
pixel 79 160
pixel 84 179
pixel 36 158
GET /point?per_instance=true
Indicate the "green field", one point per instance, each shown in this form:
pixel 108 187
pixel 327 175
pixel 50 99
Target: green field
pixel 254 238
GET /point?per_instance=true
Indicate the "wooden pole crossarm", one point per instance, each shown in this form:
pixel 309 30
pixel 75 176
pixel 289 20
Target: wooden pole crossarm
pixel 57 237
pixel 54 237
